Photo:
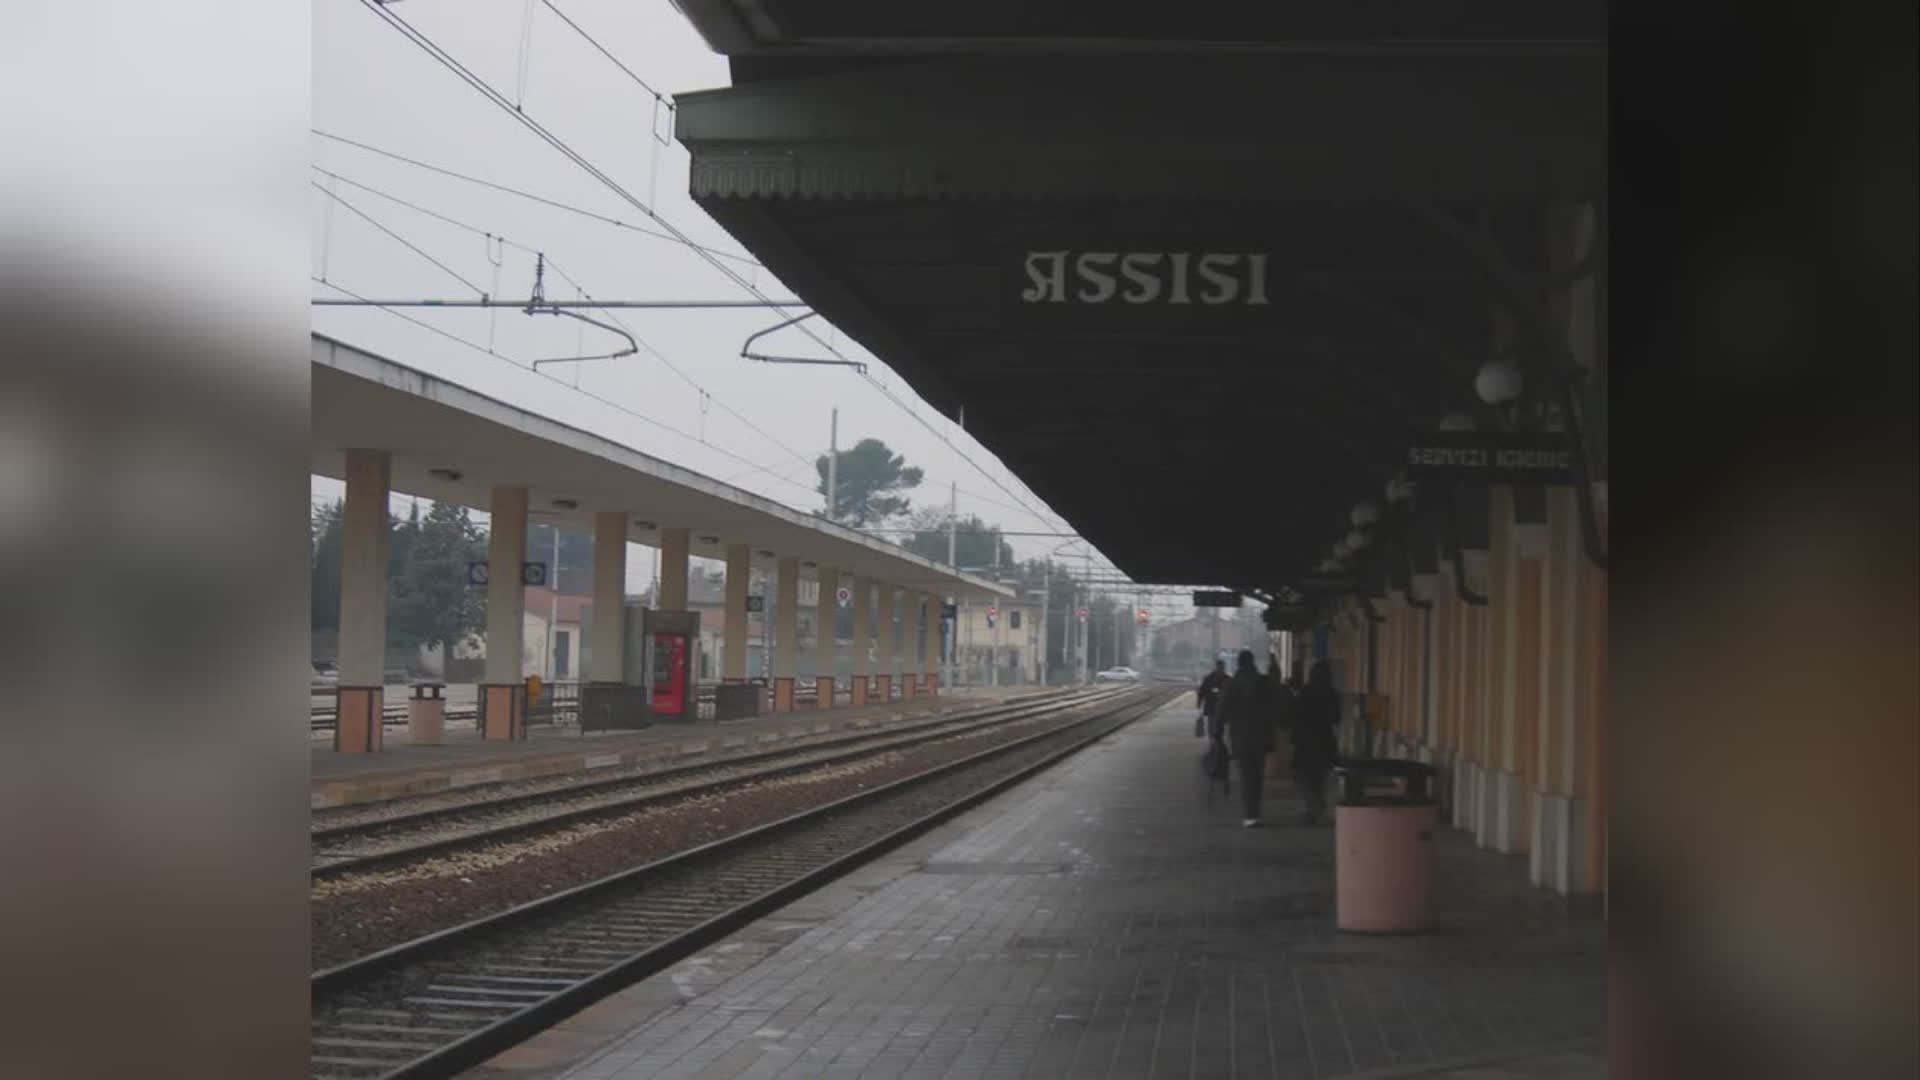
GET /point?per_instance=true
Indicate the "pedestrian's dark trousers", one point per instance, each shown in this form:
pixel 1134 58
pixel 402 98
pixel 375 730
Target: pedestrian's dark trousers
pixel 1313 789
pixel 1253 770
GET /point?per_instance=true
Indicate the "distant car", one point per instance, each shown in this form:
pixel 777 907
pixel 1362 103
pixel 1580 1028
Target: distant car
pixel 1118 674
pixel 325 675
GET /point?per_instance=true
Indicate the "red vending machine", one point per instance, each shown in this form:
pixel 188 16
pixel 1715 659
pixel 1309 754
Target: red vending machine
pixel 673 646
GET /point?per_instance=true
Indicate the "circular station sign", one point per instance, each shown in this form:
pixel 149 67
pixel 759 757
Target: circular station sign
pixel 844 595
pixel 1083 614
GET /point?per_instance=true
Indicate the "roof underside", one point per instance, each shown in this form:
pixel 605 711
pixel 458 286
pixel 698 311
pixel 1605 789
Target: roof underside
pixel 1199 442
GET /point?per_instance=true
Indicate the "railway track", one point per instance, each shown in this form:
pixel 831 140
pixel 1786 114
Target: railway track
pixel 371 843
pixel 442 1003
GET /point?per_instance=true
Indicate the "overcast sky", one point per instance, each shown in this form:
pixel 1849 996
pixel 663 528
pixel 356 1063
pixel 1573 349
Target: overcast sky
pixel 372 85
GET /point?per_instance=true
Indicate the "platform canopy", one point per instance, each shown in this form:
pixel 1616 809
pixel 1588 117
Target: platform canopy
pixel 455 445
pixel 1197 278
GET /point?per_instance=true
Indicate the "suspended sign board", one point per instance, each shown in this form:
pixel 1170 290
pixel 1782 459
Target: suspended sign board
pixel 1215 598
pixel 756 603
pixel 1295 618
pixel 1491 457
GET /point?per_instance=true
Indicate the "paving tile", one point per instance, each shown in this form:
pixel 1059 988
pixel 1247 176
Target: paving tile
pixel 1103 920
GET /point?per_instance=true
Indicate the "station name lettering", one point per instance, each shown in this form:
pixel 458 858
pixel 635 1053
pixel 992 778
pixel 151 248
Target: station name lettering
pixel 1145 277
pixel 1461 458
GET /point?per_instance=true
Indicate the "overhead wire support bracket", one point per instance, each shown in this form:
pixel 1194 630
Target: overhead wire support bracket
pixel 537 304
pixel 746 348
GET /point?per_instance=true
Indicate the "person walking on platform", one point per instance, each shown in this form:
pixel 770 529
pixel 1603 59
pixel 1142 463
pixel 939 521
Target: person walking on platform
pixel 1283 693
pixel 1314 717
pixel 1208 696
pixel 1246 712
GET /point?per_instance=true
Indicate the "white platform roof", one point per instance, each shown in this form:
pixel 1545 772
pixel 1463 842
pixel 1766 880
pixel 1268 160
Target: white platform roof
pixel 364 401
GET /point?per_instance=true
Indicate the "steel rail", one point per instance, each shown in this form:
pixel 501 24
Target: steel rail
pixel 657 787
pixel 525 1005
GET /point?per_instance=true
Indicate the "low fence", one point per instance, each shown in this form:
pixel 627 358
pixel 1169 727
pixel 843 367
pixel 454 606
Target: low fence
pixel 559 704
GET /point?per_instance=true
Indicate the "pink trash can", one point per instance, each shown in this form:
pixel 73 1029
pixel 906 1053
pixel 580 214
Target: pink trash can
pixel 1384 857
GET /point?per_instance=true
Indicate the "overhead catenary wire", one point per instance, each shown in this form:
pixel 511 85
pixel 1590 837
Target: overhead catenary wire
pixel 591 40
pixel 599 398
pixel 589 301
pixel 410 245
pixel 519 193
pixel 448 61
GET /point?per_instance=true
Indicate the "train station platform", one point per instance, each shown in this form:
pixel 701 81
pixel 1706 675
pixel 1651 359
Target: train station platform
pixel 1104 919
pixel 463 759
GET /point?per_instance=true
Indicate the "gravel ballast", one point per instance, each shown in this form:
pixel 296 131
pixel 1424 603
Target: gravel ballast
pixel 359 913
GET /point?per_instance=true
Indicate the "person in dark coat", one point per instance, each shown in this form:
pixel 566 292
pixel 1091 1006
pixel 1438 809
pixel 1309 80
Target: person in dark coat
pixel 1314 717
pixel 1246 712
pixel 1208 697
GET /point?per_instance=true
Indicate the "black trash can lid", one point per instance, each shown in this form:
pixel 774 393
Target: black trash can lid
pixel 1396 768
pixel 1419 778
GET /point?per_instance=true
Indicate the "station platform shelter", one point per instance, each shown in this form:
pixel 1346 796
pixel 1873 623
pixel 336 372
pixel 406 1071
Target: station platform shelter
pixel 382 427
pixel 1305 303
pixel 1106 918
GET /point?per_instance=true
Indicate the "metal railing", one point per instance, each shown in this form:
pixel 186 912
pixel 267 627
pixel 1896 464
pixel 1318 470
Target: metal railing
pixel 559 704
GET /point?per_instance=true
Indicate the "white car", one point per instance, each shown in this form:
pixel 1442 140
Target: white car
pixel 1118 674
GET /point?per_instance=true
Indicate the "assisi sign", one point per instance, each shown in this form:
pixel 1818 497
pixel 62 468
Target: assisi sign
pixel 1143 278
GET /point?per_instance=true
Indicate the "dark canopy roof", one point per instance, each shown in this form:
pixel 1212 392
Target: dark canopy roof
pixel 924 205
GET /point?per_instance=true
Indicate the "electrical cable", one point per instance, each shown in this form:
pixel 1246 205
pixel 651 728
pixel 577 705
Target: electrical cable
pixel 657 95
pixel 530 196
pixel 447 60
pixel 493 237
pixel 601 399
pixel 410 245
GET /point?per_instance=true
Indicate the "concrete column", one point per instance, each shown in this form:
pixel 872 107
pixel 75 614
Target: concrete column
pixel 930 644
pixel 901 601
pixel 1555 702
pixel 733 661
pixel 674 546
pixel 862 639
pixel 883 642
pixel 1477 715
pixel 825 614
pixel 503 698
pixel 609 597
pixel 1586 748
pixel 786 631
pixel 1529 648
pixel 362 656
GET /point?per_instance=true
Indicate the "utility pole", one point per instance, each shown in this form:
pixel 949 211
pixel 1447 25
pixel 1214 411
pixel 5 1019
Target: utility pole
pixel 1086 632
pixel 1046 628
pixel 553 606
pixel 993 639
pixel 953 560
pixel 833 466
